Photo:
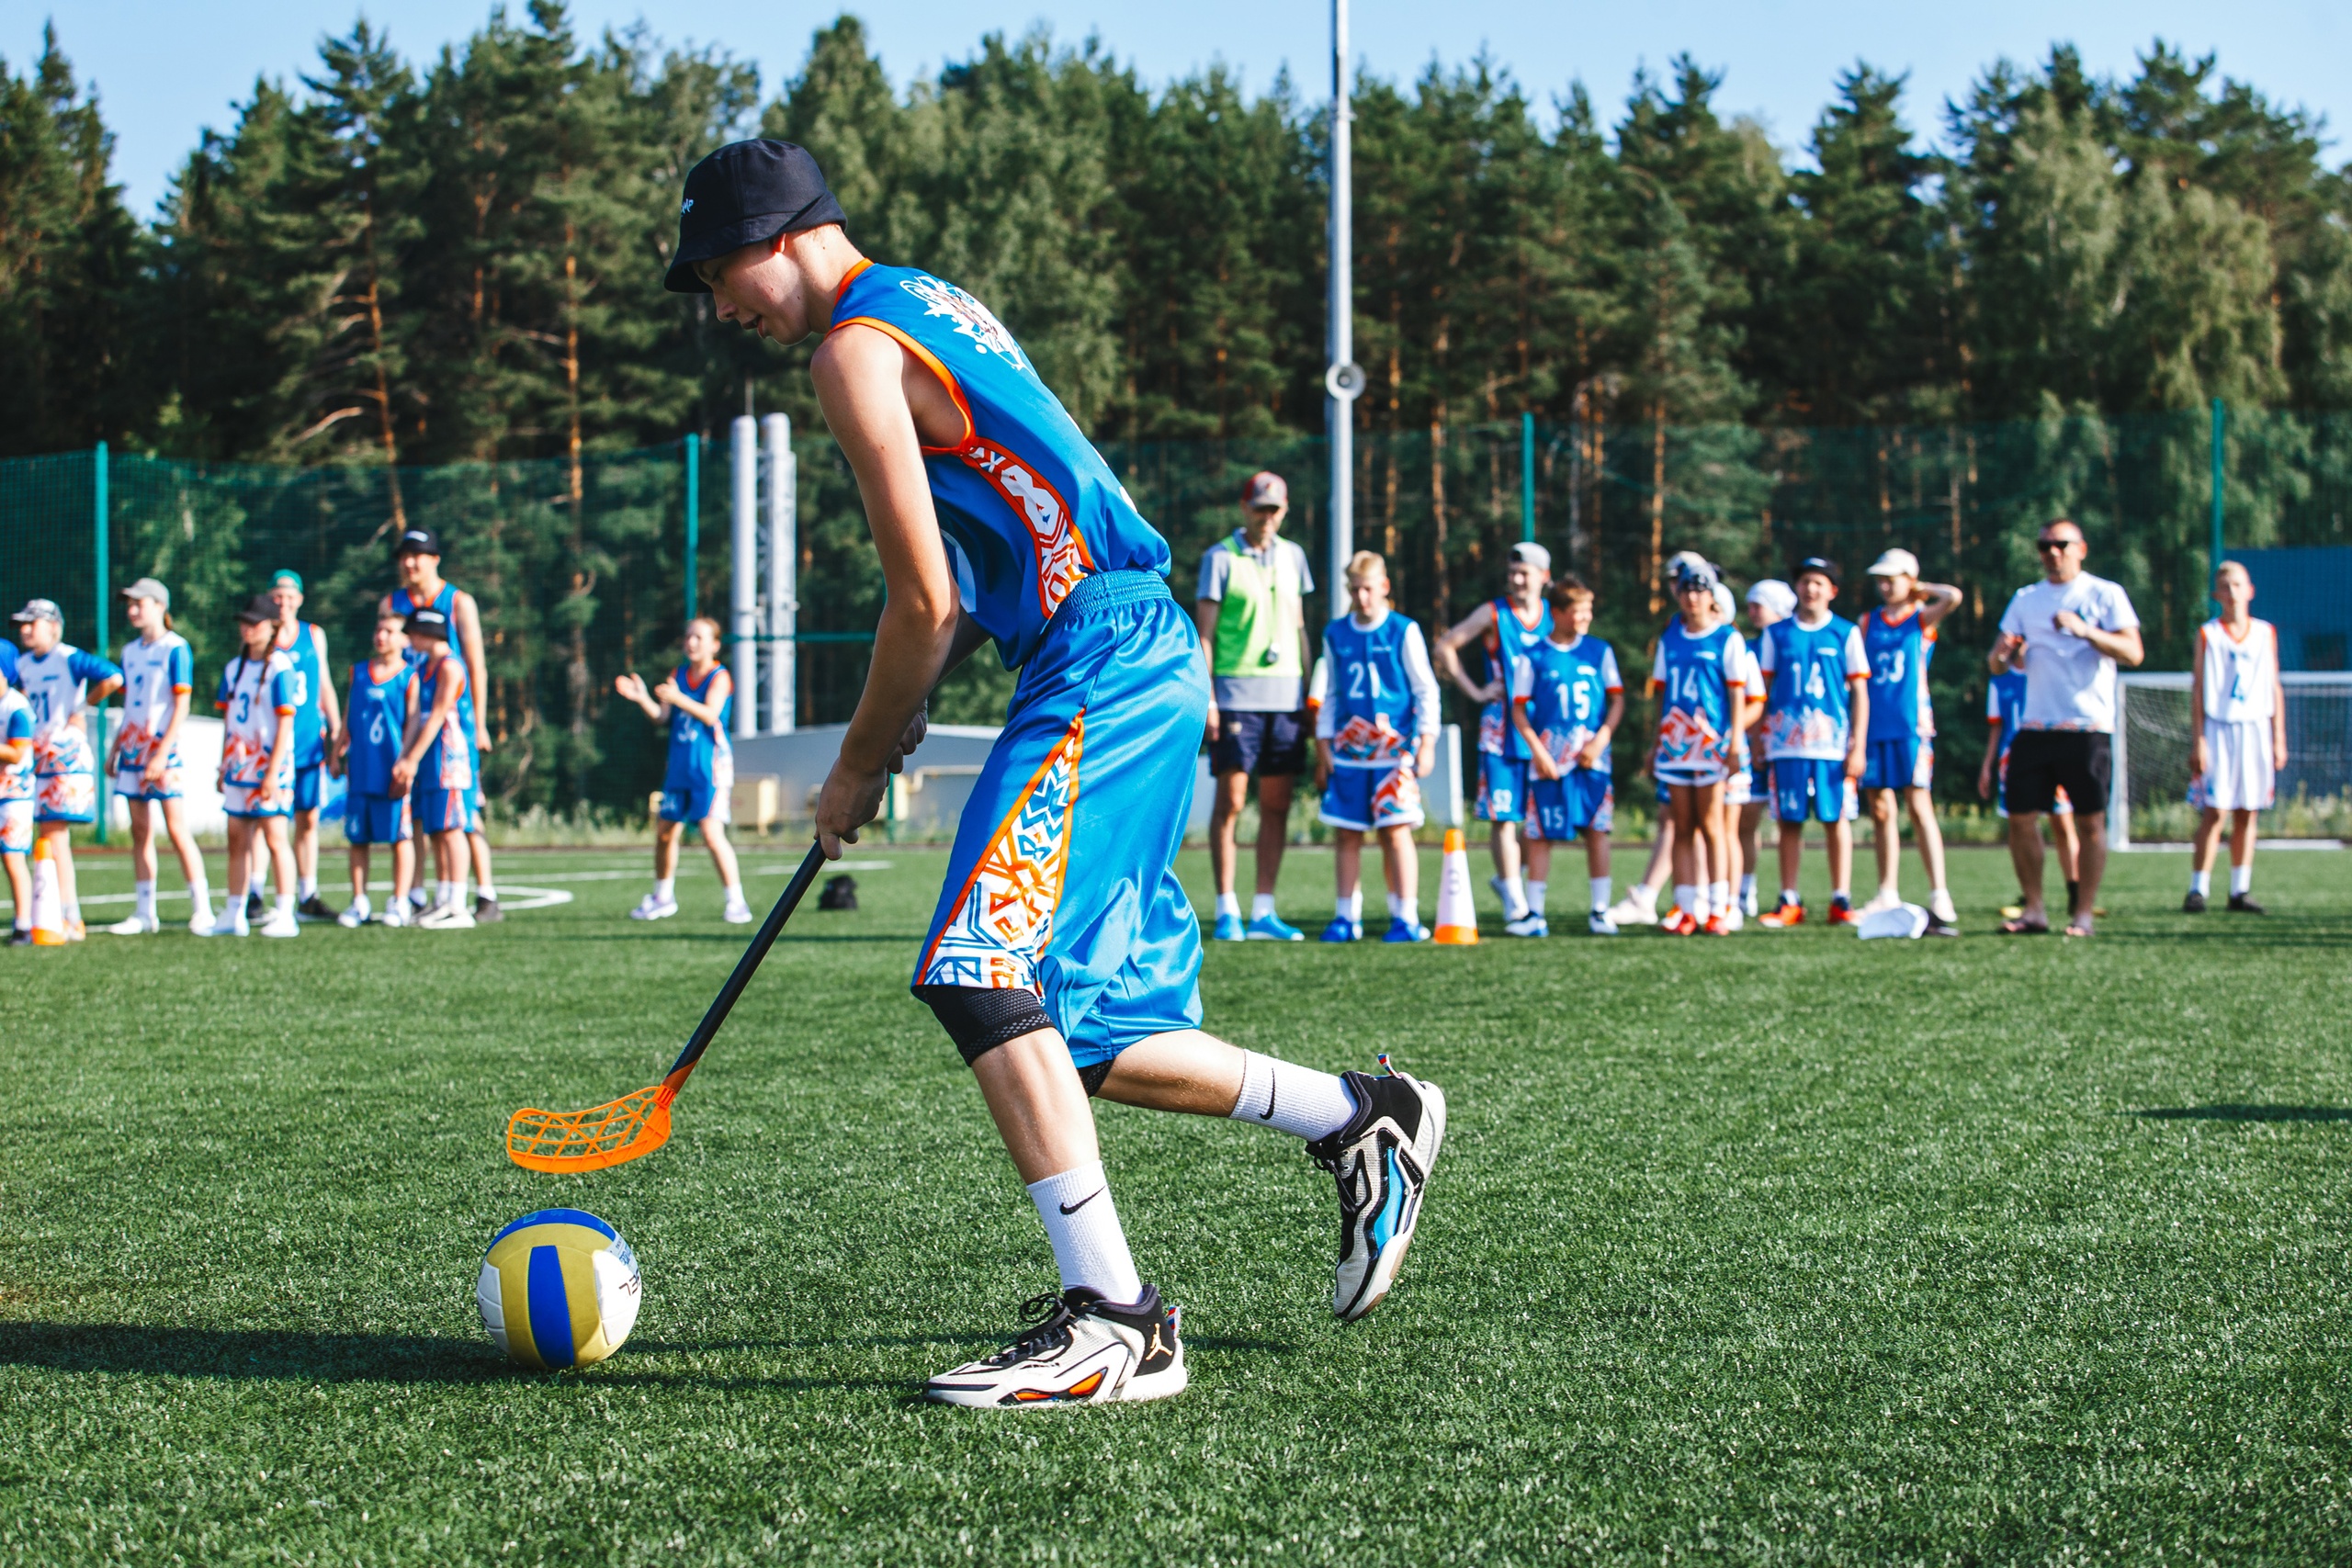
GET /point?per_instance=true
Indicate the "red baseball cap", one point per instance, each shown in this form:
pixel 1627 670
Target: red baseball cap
pixel 1265 489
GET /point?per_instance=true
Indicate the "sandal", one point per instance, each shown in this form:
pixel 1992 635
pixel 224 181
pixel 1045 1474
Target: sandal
pixel 2023 926
pixel 2082 930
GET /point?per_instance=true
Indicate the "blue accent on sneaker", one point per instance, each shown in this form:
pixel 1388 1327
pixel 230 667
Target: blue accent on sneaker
pixel 1228 929
pixel 1401 929
pixel 1392 1207
pixel 1342 929
pixel 1271 928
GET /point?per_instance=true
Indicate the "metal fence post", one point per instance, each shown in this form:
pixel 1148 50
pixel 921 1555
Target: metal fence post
pixel 694 515
pixel 98 645
pixel 1527 475
pixel 2221 473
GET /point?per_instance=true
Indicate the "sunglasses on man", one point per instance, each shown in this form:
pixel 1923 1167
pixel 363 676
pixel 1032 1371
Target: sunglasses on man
pixel 2048 545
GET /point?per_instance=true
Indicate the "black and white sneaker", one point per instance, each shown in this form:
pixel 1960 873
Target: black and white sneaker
pixel 314 908
pixel 1382 1161
pixel 1080 1350
pixel 486 911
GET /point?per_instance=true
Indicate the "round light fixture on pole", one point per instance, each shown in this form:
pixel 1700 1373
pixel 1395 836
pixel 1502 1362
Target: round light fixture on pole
pixel 1345 382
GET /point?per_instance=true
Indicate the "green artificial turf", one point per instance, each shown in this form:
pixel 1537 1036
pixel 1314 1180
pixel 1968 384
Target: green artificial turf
pixel 1781 1248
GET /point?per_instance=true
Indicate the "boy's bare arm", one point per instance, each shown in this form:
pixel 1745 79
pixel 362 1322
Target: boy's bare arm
pixel 1936 600
pixel 1539 756
pixel 1473 624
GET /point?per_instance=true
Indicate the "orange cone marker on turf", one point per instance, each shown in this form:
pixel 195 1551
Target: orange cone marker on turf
pixel 1457 917
pixel 48 906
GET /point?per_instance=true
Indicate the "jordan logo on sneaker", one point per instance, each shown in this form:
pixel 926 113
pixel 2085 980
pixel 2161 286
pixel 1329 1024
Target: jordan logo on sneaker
pixel 1082 1202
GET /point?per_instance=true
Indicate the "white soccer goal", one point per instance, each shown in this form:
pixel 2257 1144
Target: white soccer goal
pixel 2148 802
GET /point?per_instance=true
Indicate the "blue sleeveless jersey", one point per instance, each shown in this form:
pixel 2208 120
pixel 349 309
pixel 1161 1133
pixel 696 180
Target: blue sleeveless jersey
pixel 377 719
pixel 696 747
pixel 1809 708
pixel 1567 694
pixel 1698 676
pixel 446 763
pixel 446 602
pixel 310 674
pixel 2005 705
pixel 1025 503
pixel 1508 641
pixel 1373 720
pixel 1898 653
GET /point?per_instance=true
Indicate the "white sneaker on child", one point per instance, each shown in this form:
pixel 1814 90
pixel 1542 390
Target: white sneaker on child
pixel 652 907
pixel 738 913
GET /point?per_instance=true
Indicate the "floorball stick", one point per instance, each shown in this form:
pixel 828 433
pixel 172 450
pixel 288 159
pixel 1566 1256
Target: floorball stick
pixel 639 1124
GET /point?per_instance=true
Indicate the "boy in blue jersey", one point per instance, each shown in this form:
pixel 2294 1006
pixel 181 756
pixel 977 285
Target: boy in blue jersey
pixel 1374 681
pixel 436 767
pixel 1701 677
pixel 695 703
pixel 1816 715
pixel 2004 712
pixel 1568 699
pixel 1497 633
pixel 366 748
pixel 1899 638
pixel 317 720
pixel 1064 955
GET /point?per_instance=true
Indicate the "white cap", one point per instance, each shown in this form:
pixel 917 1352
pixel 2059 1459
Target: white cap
pixel 1724 605
pixel 1896 563
pixel 1774 596
pixel 1534 554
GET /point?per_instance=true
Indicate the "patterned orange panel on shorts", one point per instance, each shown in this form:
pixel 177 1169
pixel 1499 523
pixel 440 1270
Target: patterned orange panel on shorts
pixel 1005 919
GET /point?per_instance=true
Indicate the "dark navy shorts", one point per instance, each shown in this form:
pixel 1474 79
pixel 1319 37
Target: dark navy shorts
pixel 1263 745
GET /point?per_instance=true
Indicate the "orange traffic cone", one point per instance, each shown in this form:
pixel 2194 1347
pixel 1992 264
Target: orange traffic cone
pixel 1457 919
pixel 48 906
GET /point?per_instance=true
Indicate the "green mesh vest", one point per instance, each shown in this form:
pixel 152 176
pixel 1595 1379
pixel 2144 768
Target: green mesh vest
pixel 1259 620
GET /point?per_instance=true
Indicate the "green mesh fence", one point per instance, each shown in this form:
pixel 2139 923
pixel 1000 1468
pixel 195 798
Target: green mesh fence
pixel 581 574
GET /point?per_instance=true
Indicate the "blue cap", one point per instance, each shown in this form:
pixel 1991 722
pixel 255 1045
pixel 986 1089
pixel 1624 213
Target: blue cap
pixel 740 195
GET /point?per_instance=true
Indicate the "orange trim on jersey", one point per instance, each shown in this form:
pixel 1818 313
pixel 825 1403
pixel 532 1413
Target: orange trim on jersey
pixel 1926 634
pixel 852 275
pixel 178 689
pixel 946 377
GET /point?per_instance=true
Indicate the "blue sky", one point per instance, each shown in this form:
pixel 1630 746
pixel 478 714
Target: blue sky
pixel 167 68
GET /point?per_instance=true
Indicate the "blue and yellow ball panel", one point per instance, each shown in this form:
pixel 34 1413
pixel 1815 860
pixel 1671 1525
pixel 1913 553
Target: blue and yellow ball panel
pixel 558 1287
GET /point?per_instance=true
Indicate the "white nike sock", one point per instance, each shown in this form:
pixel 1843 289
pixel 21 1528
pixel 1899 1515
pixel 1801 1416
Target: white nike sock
pixel 1686 898
pixel 236 911
pixel 146 891
pixel 361 907
pixel 199 896
pixel 1514 896
pixel 1747 889
pixel 2201 881
pixel 1789 896
pixel 306 888
pixel 1600 890
pixel 286 906
pixel 734 894
pixel 444 893
pixel 1228 903
pixel 1719 898
pixel 486 891
pixel 73 912
pixel 1291 1098
pixel 1083 1224
pixel 1941 905
pixel 1396 907
pixel 1350 907
pixel 1535 891
pixel 665 889
pixel 2241 879
pixel 1261 907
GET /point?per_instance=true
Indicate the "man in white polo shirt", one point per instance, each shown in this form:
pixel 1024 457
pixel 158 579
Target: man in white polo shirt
pixel 2073 629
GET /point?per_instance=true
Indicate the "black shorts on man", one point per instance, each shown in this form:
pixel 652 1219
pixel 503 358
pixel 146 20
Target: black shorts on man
pixel 2043 762
pixel 1263 745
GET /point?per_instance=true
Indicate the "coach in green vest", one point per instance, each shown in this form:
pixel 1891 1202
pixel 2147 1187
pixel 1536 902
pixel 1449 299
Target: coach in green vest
pixel 1251 606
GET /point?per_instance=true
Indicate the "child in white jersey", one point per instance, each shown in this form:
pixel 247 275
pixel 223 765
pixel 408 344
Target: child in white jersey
pixel 2237 712
pixel 158 673
pixel 256 698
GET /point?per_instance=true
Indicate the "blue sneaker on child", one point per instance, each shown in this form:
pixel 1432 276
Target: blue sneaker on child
pixel 1343 929
pixel 1402 929
pixel 1228 929
pixel 1271 928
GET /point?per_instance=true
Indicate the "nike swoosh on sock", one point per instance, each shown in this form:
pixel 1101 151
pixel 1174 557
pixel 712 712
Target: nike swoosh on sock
pixel 1082 1202
pixel 1267 1114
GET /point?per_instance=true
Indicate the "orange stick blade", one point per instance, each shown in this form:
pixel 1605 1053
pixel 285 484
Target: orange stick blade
pixel 602 1136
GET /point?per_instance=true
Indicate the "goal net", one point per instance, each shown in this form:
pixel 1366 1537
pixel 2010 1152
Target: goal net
pixel 2150 801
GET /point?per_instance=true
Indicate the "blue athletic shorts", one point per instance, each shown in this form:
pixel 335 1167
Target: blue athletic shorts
pixel 1263 745
pixel 1808 786
pixel 697 802
pixel 438 810
pixel 1063 878
pixel 307 792
pixel 1565 807
pixel 1502 788
pixel 1907 762
pixel 1368 798
pixel 375 819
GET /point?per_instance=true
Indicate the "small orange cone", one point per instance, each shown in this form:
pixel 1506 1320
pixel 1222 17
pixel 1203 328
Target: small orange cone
pixel 49 908
pixel 1457 919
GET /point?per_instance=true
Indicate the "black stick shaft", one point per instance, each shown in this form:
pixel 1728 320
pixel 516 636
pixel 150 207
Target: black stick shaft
pixel 770 929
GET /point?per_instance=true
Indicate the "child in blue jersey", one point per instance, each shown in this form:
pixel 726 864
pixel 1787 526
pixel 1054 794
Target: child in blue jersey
pixel 62 685
pixel 1899 638
pixel 1816 716
pixel 368 744
pixel 317 720
pixel 1495 636
pixel 17 802
pixel 158 676
pixel 1769 602
pixel 696 703
pixel 255 699
pixel 436 767
pixel 1701 678
pixel 1374 699
pixel 2004 712
pixel 1566 701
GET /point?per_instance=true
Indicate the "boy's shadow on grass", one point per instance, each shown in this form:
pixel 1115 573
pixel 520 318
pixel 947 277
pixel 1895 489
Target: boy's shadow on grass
pixel 2248 1113
pixel 284 1356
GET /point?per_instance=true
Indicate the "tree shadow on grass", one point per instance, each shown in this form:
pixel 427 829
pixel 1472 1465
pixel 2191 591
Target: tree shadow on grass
pixel 285 1356
pixel 2248 1113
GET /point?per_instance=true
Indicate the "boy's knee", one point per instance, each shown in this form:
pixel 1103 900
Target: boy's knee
pixel 979 1019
